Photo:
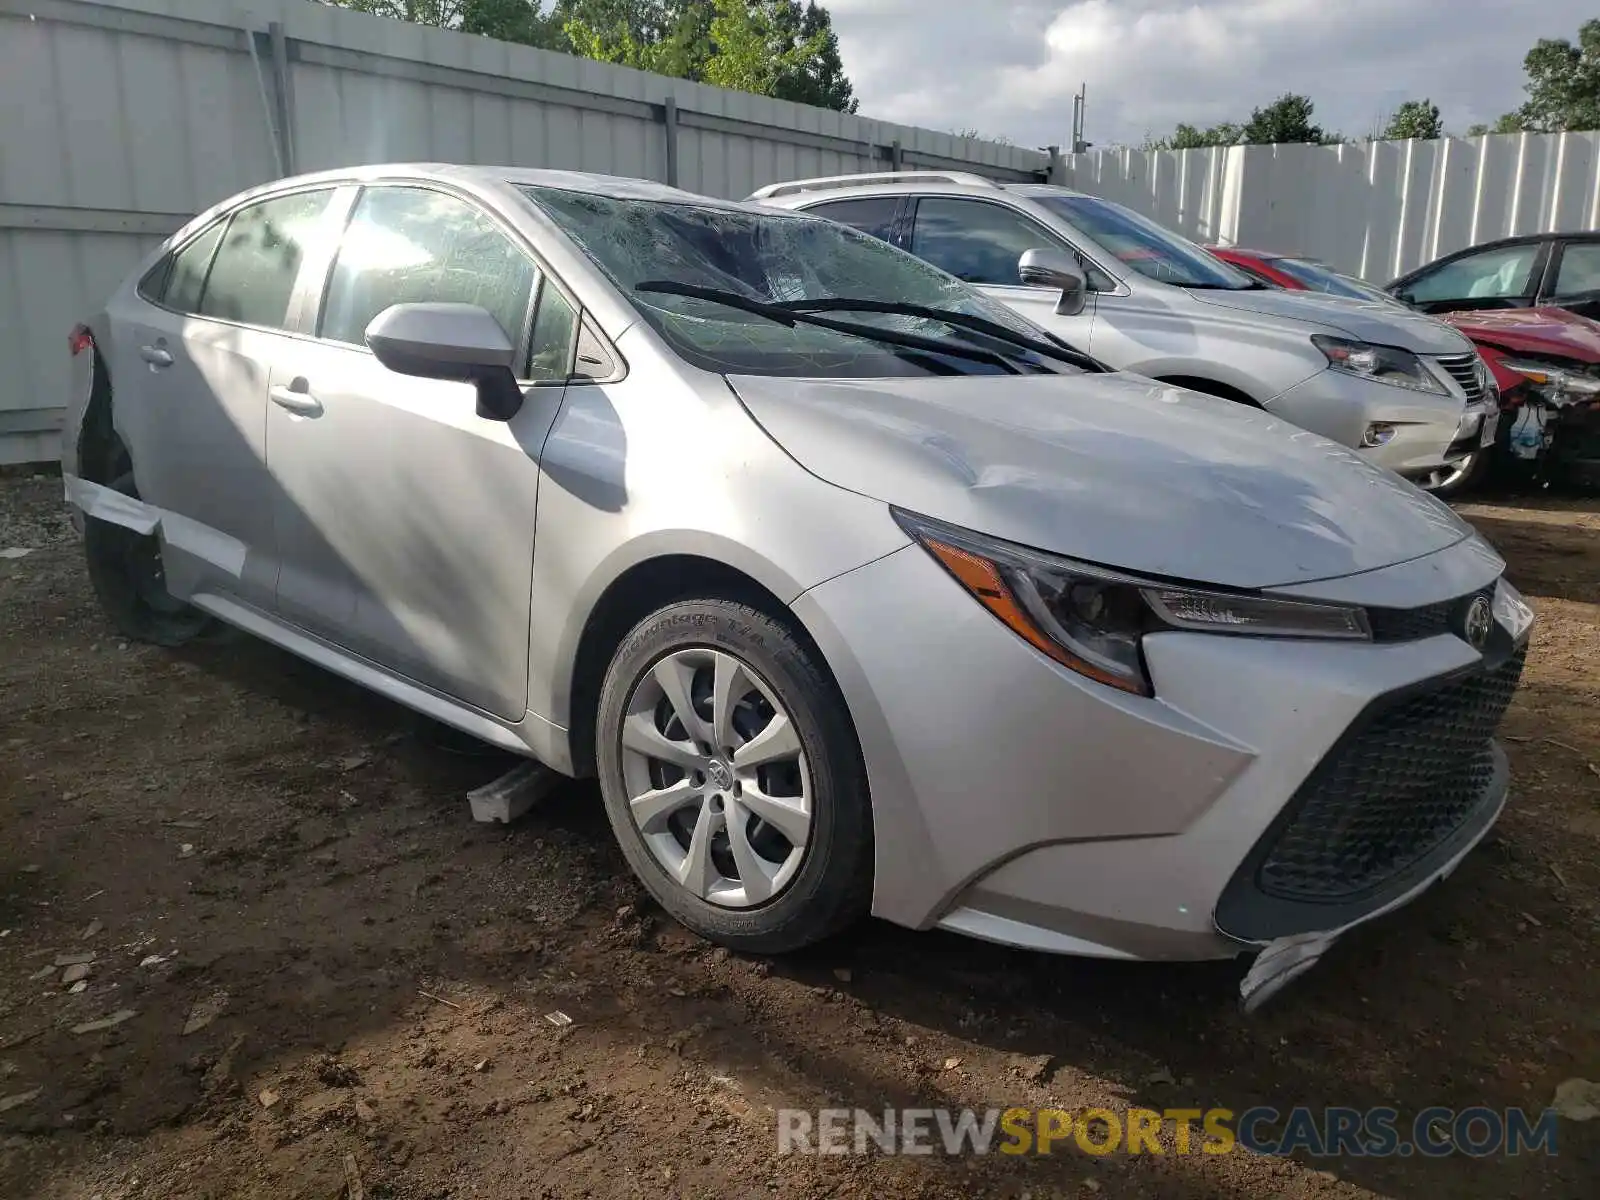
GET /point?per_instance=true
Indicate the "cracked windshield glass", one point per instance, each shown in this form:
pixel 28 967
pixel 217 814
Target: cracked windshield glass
pixel 778 258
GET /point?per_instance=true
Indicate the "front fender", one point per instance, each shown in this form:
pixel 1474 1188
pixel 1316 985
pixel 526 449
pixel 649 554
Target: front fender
pixel 730 495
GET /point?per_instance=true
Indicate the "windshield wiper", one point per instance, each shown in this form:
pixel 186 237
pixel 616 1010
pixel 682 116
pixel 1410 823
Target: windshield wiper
pixel 960 320
pixel 791 317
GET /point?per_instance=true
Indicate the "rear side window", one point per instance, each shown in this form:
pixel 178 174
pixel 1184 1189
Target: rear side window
pixel 1579 273
pixel 253 275
pixel 176 281
pixel 189 270
pixel 413 246
pixel 869 214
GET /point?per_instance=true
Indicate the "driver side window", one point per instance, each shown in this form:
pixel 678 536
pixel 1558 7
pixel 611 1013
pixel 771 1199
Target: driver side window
pixel 974 241
pixel 980 242
pixel 407 245
pixel 1499 274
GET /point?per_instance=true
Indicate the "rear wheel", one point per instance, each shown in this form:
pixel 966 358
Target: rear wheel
pixel 732 777
pixel 128 577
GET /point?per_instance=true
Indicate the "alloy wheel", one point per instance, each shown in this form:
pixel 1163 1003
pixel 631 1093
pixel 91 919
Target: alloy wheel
pixel 1448 475
pixel 716 779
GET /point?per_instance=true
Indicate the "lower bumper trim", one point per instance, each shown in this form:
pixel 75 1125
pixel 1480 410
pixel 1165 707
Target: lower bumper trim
pixel 1285 959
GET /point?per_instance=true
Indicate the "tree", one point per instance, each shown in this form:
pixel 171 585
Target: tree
pixel 777 48
pixel 1415 119
pixel 968 131
pixel 509 20
pixel 1286 119
pixel 1510 123
pixel 1191 137
pixel 1563 83
pixel 1563 87
pixel 669 37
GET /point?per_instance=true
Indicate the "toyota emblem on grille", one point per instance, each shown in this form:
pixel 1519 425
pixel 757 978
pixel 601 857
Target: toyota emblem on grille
pixel 1477 623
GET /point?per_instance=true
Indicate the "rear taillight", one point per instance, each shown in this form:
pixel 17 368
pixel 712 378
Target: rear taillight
pixel 80 339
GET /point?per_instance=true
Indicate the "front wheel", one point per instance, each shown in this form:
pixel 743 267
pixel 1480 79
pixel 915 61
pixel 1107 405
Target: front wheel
pixel 1454 478
pixel 733 779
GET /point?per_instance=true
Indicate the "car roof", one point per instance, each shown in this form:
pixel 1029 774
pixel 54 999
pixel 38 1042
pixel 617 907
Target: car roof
pixel 618 186
pixel 894 183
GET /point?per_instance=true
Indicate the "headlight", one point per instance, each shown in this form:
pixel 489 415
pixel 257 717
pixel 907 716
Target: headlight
pixel 1092 620
pixel 1555 383
pixel 1385 364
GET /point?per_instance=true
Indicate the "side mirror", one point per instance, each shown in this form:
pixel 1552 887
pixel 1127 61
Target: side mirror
pixel 1056 269
pixel 457 342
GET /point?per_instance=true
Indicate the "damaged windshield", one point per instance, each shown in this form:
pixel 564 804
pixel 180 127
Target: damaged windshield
pixel 764 259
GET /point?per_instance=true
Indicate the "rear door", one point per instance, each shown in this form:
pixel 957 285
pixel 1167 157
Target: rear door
pixel 1573 279
pixel 189 360
pixel 875 215
pixel 980 241
pixel 405 520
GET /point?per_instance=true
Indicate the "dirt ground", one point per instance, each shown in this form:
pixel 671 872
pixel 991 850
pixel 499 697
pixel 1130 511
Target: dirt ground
pixel 286 867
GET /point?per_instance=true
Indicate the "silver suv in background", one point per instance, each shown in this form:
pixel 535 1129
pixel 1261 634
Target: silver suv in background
pixel 1406 390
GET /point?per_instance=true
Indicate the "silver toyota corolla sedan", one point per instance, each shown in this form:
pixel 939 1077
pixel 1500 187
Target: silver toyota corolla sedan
pixel 855 589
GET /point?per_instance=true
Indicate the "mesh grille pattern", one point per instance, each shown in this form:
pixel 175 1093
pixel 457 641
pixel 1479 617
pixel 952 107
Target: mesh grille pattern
pixel 1386 797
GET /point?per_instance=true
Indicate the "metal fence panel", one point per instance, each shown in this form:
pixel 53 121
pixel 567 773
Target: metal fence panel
pixel 1375 210
pixel 121 118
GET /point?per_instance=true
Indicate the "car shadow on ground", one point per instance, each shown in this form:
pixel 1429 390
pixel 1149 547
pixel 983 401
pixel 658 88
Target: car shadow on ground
pixel 339 894
pixel 1363 1030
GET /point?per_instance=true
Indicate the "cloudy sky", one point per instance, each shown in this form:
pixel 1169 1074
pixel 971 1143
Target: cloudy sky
pixel 1012 67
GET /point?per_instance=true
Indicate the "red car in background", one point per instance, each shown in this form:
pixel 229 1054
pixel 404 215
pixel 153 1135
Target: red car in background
pixel 1545 362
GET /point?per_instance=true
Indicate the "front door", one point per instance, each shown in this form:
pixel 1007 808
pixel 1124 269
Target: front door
pixel 1499 277
pixel 406 521
pixel 981 241
pixel 189 358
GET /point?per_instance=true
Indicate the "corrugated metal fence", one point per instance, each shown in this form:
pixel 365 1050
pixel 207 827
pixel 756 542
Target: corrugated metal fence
pixel 1375 210
pixel 120 119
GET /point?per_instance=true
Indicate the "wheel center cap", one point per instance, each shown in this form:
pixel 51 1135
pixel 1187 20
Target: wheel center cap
pixel 721 774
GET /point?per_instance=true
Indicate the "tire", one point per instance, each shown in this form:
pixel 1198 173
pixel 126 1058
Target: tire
pixel 1466 475
pixel 817 792
pixel 125 571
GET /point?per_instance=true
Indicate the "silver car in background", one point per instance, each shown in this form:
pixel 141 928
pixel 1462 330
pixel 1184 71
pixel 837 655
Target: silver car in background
pixel 1406 390
pixel 854 589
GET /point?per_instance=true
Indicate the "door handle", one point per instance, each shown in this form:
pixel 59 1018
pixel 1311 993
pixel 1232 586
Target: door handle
pixel 157 356
pixel 297 398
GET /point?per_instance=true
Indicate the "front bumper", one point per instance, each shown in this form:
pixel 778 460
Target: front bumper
pixel 1286 958
pixel 1016 801
pixel 1342 406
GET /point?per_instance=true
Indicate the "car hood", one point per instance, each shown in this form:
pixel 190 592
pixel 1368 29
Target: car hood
pixel 1110 469
pixel 1366 321
pixel 1552 331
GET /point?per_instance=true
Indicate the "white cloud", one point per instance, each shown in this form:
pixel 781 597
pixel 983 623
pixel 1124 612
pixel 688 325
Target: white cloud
pixel 1148 64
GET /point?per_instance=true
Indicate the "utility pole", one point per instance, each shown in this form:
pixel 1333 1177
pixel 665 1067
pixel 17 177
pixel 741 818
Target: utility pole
pixel 1080 104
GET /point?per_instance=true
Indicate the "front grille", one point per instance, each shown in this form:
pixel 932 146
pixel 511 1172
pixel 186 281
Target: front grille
pixel 1414 624
pixel 1391 792
pixel 1464 369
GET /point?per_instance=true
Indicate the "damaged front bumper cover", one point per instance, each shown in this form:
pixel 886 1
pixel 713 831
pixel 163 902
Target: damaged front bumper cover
pixel 1283 960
